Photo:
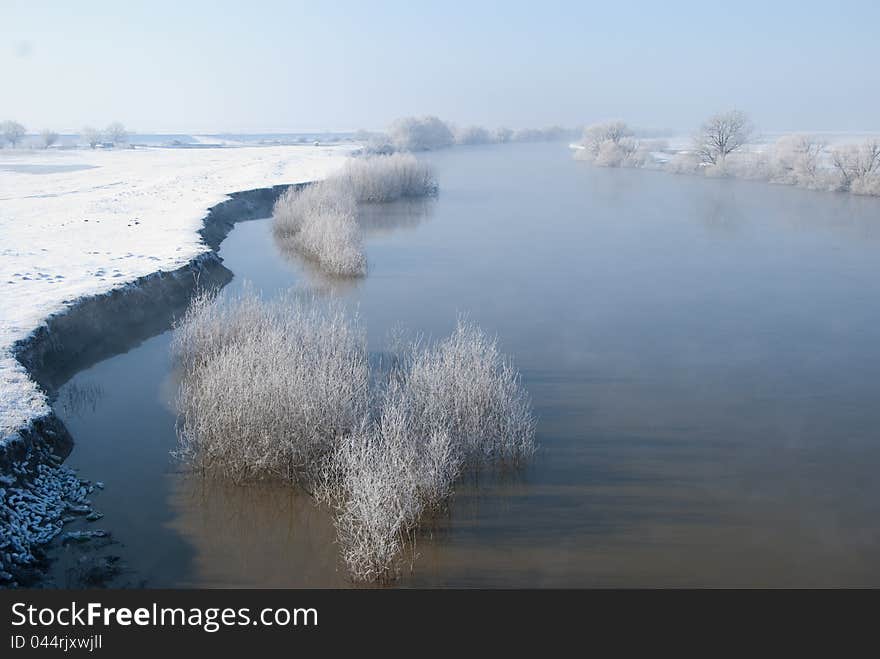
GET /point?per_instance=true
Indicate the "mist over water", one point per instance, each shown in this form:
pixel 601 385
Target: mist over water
pixel 701 355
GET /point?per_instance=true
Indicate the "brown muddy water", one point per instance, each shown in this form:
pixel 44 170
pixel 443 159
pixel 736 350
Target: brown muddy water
pixel 703 356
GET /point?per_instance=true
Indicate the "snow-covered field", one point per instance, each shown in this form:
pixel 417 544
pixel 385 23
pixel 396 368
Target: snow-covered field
pixel 81 222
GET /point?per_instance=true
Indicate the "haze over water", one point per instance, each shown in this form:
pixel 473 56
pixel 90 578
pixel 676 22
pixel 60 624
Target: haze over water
pixel 701 355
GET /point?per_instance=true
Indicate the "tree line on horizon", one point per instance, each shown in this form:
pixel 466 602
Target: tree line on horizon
pixel 722 146
pixel 115 133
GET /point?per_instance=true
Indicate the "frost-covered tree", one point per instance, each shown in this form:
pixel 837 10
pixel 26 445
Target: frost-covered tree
pixel 92 136
pixel 49 137
pixel 503 135
pixel 796 159
pixel 610 144
pixel 473 135
pixel 721 135
pixel 624 153
pixel 12 132
pixel 116 133
pixel 858 166
pixel 420 134
pixel 597 135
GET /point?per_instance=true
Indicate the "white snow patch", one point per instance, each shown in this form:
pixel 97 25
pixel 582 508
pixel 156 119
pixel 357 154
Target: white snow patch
pixel 213 140
pixel 66 233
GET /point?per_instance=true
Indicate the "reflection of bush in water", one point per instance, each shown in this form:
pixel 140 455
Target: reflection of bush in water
pixel 401 214
pixel 320 221
pixel 77 399
pixel 283 389
pixel 373 219
pixel 316 278
pixel 262 533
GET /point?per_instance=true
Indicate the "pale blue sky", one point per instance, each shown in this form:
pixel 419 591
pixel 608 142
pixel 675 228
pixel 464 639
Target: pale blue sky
pixel 260 65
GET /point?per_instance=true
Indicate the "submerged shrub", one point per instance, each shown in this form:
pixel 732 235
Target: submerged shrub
pixel 464 385
pixel 208 327
pixel 282 389
pixel 382 480
pixel 387 178
pixel 458 404
pixel 320 221
pixel 267 388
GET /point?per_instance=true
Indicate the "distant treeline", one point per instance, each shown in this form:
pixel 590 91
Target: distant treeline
pixel 429 133
pixel 13 133
pixel 725 146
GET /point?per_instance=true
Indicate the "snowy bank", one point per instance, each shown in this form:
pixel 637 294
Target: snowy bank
pixel 81 223
pixel 99 250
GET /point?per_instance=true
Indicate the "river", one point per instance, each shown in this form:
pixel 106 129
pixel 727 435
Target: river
pixel 702 356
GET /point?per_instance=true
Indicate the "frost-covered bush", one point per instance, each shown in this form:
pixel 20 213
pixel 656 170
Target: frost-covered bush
pixel 282 389
pixel 375 143
pixel 625 153
pixel 598 135
pixel 382 480
pixel 858 166
pixel 757 165
pixel 464 385
pixel 866 185
pixel 502 135
pixel 208 327
pixel 420 134
pixel 12 132
pixel 610 144
pixel 268 389
pixel 796 160
pixel 722 148
pixel 454 405
pixel 473 135
pixel 683 163
pixel 386 178
pixel 320 222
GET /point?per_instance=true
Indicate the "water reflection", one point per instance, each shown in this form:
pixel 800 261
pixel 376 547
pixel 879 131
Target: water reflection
pixel 80 398
pixel 375 219
pixel 262 535
pixel 313 276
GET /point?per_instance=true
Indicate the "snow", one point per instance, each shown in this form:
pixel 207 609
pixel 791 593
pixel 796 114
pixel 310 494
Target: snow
pixel 211 140
pixel 82 222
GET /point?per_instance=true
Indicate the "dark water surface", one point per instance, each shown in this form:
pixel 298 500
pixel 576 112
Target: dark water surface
pixel 703 356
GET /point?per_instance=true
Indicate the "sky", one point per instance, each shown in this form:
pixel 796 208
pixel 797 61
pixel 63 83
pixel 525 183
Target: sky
pixel 190 66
